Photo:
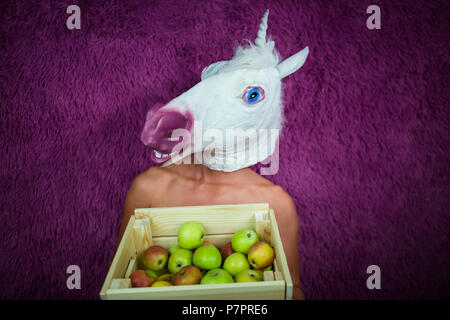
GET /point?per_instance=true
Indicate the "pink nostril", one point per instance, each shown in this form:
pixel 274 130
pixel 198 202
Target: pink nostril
pixel 158 128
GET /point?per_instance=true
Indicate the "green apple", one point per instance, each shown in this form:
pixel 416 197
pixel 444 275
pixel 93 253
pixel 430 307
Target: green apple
pixel 152 273
pixel 179 259
pixel 188 275
pixel 261 271
pixel 235 263
pixel 207 258
pixel 242 240
pixel 173 248
pixel 204 244
pixel 261 255
pixel 216 276
pixel 270 267
pixel 248 276
pixel 191 235
pixel 155 258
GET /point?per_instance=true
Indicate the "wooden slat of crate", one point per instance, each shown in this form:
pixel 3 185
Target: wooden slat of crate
pixel 167 221
pixel 120 283
pixel 278 275
pixel 132 267
pixel 247 207
pixel 264 290
pixel 142 235
pixel 268 276
pixel 262 227
pixel 124 253
pixel 167 224
pixel 281 261
pixel 217 239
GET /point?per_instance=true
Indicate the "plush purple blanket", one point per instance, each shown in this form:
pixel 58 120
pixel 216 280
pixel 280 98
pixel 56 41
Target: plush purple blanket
pixel 364 151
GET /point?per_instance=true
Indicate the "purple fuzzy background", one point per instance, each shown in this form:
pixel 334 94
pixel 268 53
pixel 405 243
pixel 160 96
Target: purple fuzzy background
pixel 365 150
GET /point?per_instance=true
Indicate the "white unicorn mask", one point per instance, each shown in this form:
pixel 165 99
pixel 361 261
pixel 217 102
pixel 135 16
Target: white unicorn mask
pixel 242 95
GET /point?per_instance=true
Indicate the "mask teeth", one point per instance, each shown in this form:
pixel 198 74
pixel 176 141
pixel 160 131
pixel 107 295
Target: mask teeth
pixel 159 155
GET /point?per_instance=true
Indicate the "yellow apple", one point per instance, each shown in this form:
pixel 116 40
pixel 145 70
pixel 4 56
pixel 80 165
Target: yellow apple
pixel 261 255
pixel 161 284
pixel 248 276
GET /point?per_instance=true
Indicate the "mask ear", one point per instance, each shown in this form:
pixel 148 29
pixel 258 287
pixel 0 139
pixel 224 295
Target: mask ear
pixel 212 69
pixel 293 63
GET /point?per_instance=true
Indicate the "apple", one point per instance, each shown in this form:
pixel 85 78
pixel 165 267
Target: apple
pixel 260 272
pixel 248 276
pixel 242 240
pixel 155 258
pixel 204 244
pixel 207 243
pixel 179 259
pixel 173 248
pixel 207 258
pixel 166 277
pixel 261 255
pixel 190 235
pixel 226 250
pixel 235 263
pixel 140 279
pixel 216 276
pixel 161 284
pixel 151 273
pixel 188 275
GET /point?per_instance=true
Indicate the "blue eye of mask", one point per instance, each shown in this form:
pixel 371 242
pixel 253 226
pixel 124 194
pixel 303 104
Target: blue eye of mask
pixel 253 95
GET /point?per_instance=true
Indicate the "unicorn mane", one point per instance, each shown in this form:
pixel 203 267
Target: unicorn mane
pixel 255 56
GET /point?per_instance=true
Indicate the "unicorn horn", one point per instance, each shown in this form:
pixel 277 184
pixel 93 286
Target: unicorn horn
pixel 261 38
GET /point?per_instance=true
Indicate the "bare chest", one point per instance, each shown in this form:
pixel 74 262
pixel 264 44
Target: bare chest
pixel 182 193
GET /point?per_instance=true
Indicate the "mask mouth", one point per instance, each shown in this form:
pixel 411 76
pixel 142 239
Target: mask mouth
pixel 163 149
pixel 159 129
pixel 159 157
pixel 179 152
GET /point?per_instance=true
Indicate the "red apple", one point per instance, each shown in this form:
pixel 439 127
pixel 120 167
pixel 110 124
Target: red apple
pixel 140 279
pixel 188 275
pixel 155 258
pixel 226 250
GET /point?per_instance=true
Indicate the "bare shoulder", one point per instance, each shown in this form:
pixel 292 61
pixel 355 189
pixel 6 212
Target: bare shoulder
pixel 149 183
pixel 153 173
pixel 281 202
pixel 278 198
pixel 147 179
pixel 256 179
pixel 273 191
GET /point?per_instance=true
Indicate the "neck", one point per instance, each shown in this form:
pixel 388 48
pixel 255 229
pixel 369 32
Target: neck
pixel 203 174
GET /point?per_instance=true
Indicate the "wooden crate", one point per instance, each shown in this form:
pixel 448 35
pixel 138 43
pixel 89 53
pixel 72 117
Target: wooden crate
pixel 158 226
